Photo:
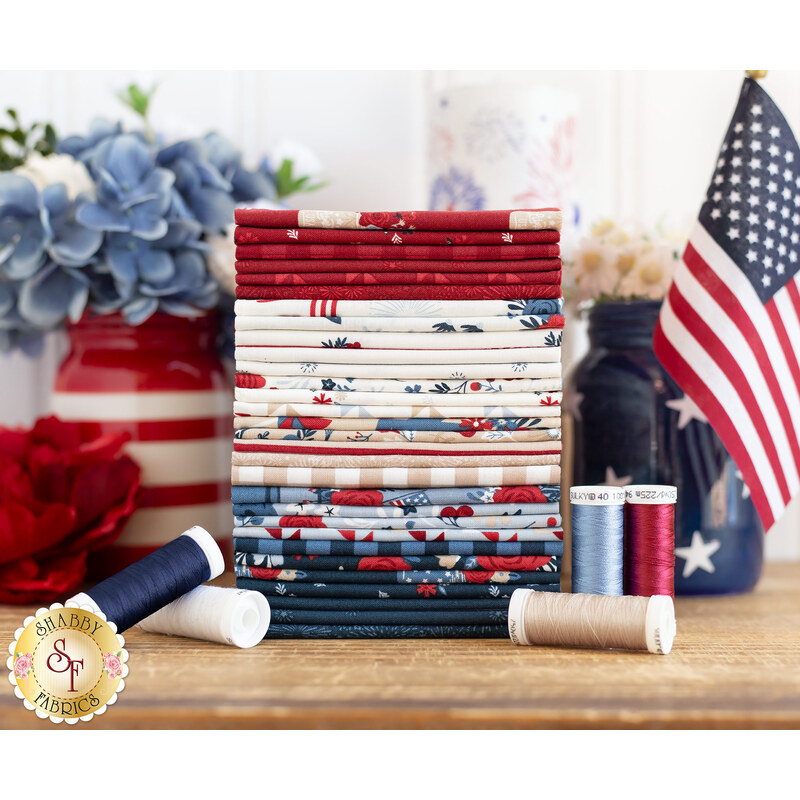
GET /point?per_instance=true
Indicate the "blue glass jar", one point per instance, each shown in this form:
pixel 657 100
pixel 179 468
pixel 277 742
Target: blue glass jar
pixel 632 424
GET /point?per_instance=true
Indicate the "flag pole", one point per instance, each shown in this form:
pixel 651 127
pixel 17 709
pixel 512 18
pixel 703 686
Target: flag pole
pixel 756 74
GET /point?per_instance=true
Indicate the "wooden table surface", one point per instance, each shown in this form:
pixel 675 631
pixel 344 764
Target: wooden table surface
pixel 735 663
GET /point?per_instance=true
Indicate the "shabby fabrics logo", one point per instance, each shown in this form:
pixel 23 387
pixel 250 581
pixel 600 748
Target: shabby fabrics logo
pixel 67 663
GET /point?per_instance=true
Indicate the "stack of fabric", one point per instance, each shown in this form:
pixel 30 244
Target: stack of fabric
pixel 396 459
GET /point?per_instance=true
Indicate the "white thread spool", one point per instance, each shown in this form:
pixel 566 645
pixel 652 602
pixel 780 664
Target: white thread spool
pixel 589 620
pixel 229 616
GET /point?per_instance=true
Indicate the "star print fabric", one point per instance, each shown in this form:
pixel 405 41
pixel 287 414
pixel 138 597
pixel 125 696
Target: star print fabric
pixel 397 442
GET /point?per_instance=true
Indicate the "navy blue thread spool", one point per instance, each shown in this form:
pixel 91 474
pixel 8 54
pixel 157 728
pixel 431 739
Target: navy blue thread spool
pixel 157 579
pixel 597 539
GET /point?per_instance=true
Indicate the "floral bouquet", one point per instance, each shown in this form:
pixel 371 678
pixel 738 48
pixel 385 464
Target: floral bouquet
pixel 63 493
pixel 120 221
pixel 623 262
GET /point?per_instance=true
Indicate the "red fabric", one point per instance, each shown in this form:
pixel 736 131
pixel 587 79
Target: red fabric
pixel 527 291
pixel 394 252
pixel 390 220
pixel 245 235
pixel 396 278
pixel 333 265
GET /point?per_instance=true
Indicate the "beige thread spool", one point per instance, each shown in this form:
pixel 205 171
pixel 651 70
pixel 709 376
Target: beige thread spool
pixel 589 620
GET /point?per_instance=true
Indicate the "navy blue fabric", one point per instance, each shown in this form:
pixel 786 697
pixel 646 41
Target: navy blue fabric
pixel 388 590
pixel 387 632
pixel 382 604
pixel 495 616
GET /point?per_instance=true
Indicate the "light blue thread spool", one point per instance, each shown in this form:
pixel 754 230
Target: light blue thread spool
pixel 597 534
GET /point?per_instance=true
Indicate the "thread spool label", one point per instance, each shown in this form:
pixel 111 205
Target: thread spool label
pixel 597 495
pixel 648 494
pixel 67 664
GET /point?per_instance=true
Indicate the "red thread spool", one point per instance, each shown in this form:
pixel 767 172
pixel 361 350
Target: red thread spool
pixel 649 541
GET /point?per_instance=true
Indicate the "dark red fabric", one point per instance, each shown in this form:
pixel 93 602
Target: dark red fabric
pixel 393 252
pixel 391 220
pixel 335 265
pixel 514 292
pixel 397 278
pixel 246 235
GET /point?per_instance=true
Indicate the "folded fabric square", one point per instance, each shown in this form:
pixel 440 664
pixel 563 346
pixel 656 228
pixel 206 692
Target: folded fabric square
pixel 388 293
pixel 394 252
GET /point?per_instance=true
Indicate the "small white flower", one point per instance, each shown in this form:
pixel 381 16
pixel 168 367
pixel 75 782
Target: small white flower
pixel 58 168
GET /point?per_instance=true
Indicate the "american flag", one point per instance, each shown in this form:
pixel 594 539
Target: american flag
pixel 729 329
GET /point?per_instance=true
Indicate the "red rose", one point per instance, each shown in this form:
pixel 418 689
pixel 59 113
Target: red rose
pixel 477 576
pixel 356 497
pixel 508 563
pixel 383 563
pixel 63 493
pixel 303 522
pixel 264 573
pixel 519 494
pixel 472 426
pixel 381 219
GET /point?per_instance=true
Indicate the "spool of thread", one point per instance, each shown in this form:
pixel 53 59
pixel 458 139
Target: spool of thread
pixel 156 580
pixel 228 616
pixel 597 528
pixel 590 620
pixel 650 540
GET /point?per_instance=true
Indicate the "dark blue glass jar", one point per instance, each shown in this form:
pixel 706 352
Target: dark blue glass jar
pixel 632 424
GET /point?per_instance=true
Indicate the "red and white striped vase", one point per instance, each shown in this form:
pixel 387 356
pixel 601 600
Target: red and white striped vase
pixel 163 383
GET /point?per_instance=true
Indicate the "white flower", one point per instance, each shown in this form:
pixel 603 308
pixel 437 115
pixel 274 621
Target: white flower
pixel 652 274
pixel 47 170
pixel 594 270
pixel 222 259
pixel 304 159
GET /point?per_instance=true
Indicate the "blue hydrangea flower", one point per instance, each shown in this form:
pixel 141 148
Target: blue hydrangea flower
pixel 246 185
pixel 70 243
pixel 83 148
pixel 133 194
pixel 52 295
pixel 456 191
pixel 202 188
pixel 23 240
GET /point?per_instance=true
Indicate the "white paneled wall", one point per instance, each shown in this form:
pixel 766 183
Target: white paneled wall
pixel 647 142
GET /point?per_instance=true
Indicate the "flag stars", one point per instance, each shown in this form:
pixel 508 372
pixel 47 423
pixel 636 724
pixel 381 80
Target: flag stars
pixel 793 257
pixel 733 233
pixel 716 197
pixel 794 238
pixel 736 179
pixel 716 213
pixel 770 225
pixel 780 269
pixel 773 169
pixel 787 175
pixel 769 243
pixel 772 206
pixel 752 237
pixel 753 200
pixel 756 110
pixel 738 127
pixel 768 263
pixel 786 193
pixel 772 187
pixel 789 156
pixel 754 182
pixel 781 249
pixel 737 144
pixel 736 161
pixel 785 214
pixel 721 163
pixel 734 197
pixel 734 215
pixel 755 163
pixel 718 180
pixel 784 231
pixel 766 280
pixel 795 219
pixel 751 256
pixel 755 146
pixel 756 127
pixel 774 131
